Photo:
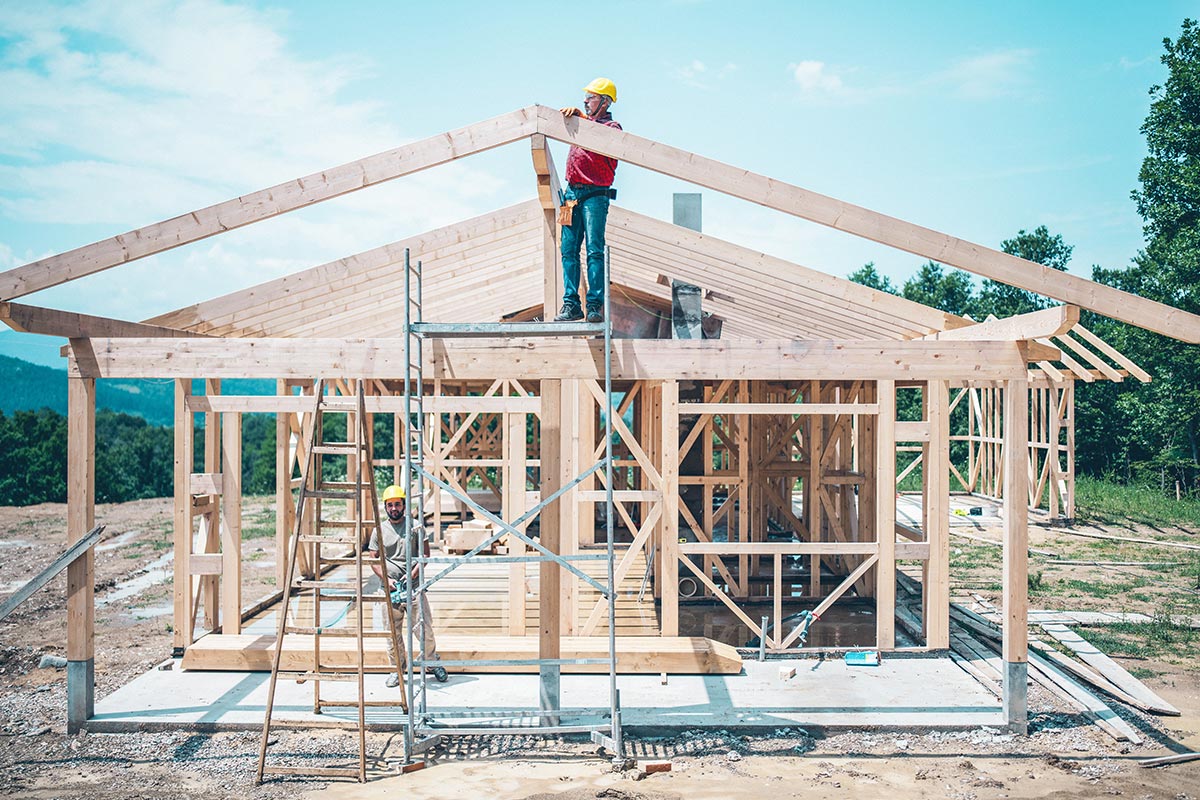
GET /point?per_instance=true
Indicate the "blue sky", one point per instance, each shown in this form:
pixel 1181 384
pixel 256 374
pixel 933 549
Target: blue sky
pixel 975 119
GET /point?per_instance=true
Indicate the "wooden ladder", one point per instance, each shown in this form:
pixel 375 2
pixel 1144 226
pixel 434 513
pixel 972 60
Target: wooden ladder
pixel 316 530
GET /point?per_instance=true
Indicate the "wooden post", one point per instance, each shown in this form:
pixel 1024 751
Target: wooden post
pixel 184 442
pixel 283 484
pixel 81 517
pixel 936 473
pixel 231 523
pixel 670 500
pixel 1016 557
pixel 549 573
pixel 514 507
pixel 209 585
pixel 812 486
pixel 885 517
pixel 568 504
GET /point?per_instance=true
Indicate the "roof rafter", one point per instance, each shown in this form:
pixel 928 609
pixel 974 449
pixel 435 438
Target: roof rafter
pixel 871 225
pixel 267 203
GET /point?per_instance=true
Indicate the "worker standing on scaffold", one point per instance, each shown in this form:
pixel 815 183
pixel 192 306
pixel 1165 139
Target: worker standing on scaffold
pixel 395 584
pixel 584 211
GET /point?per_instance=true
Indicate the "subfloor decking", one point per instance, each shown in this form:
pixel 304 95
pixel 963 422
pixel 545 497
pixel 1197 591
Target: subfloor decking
pixel 471 621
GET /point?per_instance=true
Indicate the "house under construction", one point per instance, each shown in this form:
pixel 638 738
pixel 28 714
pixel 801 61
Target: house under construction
pixel 755 465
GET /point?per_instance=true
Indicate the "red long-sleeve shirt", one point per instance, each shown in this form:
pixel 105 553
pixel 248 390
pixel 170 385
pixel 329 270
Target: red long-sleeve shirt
pixel 584 166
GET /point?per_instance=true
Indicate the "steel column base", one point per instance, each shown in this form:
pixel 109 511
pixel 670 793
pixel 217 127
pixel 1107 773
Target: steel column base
pixel 1016 696
pixel 81 693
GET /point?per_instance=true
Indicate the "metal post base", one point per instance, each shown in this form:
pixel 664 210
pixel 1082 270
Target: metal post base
pixel 549 691
pixel 1016 696
pixel 81 693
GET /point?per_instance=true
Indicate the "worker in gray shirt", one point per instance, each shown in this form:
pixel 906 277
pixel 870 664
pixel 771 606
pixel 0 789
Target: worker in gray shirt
pixel 395 584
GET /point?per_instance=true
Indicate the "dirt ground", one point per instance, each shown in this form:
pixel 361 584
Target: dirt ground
pixel 1064 756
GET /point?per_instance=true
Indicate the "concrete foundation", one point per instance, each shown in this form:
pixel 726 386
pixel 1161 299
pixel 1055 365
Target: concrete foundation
pixel 902 692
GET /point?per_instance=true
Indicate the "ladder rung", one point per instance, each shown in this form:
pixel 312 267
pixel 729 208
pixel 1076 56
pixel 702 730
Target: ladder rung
pixel 343 677
pixel 344 485
pixel 366 703
pixel 366 561
pixel 325 585
pixel 336 448
pixel 345 523
pixel 310 539
pixel 341 633
pixel 324 772
pixel 327 494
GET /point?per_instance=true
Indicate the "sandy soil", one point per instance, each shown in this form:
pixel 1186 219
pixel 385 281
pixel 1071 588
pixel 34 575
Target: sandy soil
pixel 1063 757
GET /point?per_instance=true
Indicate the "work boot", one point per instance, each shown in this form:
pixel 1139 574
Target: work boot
pixel 569 313
pixel 595 314
pixel 440 674
pixel 393 680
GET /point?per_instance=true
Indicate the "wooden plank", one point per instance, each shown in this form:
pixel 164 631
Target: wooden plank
pixel 1109 669
pixel 375 404
pixel 642 655
pixel 267 203
pixel 633 359
pixel 783 409
pixel 66 558
pixel 669 452
pixel 182 531
pixel 777 548
pixel 936 605
pixel 206 482
pixel 548 186
pixel 871 225
pixel 81 513
pixel 1112 352
pixel 885 516
pixel 72 325
pixel 549 573
pixel 231 523
pixel 1034 325
pixel 1016 522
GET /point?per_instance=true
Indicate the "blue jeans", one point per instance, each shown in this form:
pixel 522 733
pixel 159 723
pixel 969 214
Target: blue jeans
pixel 587 224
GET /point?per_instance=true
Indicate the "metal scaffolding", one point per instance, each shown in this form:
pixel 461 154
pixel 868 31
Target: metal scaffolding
pixel 424 725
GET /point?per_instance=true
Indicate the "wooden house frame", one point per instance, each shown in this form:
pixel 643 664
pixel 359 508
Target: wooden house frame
pixel 801 389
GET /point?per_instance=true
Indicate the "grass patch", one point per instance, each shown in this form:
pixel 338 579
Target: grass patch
pixel 1105 501
pixel 258 531
pixel 1160 637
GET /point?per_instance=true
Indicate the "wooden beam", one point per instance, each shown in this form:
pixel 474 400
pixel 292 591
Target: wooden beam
pixel 549 573
pixel 1016 557
pixel 633 359
pixel 548 187
pixel 375 404
pixel 267 203
pixel 870 225
pixel 670 505
pixel 1034 325
pixel 885 516
pixel 231 523
pixel 81 573
pixel 72 325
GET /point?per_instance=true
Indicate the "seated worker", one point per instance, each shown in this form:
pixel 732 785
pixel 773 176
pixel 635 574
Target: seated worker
pixel 589 187
pixel 395 584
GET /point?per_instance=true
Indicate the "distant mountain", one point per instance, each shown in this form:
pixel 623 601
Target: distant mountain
pixel 28 387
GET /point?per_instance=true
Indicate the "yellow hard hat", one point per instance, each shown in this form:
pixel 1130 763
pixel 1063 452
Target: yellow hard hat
pixel 393 492
pixel 603 86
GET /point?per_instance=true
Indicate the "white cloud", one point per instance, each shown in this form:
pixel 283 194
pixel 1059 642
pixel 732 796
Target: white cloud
pixel 700 76
pixel 117 115
pixel 812 77
pixel 1128 63
pixel 1000 73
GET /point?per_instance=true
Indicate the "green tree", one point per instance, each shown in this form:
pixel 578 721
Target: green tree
pixel 933 286
pixel 1039 247
pixel 1163 417
pixel 869 276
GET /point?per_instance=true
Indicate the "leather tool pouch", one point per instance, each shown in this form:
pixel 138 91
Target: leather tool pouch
pixel 565 212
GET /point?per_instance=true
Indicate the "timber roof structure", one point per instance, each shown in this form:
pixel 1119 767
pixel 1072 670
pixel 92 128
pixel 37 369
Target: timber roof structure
pixel 485 268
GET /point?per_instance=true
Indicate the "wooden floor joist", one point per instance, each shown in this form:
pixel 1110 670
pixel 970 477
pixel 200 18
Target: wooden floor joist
pixel 635 654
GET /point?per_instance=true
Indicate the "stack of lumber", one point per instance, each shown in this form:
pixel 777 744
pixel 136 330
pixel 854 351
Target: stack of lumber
pixel 1082 684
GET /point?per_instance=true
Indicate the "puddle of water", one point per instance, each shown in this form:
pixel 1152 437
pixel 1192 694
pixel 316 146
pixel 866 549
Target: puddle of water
pixel 158 571
pixel 11 586
pixel 153 611
pixel 15 543
pixel 114 543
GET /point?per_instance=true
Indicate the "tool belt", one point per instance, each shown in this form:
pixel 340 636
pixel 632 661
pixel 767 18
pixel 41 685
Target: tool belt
pixel 566 211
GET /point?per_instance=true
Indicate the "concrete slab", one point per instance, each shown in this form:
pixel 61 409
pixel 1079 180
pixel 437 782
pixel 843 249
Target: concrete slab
pixel 902 692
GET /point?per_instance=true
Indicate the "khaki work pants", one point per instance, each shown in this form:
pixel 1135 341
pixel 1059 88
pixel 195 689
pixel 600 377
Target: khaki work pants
pixel 424 622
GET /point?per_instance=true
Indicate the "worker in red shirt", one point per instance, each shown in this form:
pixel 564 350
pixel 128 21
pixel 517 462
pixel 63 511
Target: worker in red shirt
pixel 589 188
